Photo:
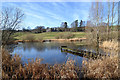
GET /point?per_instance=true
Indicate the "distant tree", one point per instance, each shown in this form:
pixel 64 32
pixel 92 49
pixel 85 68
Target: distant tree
pixel 76 23
pixel 47 28
pixel 39 29
pixel 81 23
pixel 62 25
pixel 28 28
pixel 65 24
pixel 23 29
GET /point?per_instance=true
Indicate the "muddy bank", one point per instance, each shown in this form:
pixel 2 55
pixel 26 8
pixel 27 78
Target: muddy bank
pixel 52 40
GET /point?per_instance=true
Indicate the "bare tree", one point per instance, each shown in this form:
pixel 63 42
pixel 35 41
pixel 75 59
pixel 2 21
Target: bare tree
pixel 118 21
pixel 97 29
pixel 108 19
pixel 11 19
pixel 94 25
pixel 114 12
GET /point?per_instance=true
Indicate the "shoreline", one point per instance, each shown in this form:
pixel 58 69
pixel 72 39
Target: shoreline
pixel 52 40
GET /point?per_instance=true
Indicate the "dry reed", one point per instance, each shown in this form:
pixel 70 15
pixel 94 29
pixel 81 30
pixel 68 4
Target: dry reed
pixel 104 67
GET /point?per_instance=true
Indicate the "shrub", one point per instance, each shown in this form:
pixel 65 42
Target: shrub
pixel 40 38
pixel 28 37
pixel 65 36
pixel 103 35
pixel 59 36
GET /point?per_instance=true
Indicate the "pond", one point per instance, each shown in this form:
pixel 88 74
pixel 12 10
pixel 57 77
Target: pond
pixel 50 52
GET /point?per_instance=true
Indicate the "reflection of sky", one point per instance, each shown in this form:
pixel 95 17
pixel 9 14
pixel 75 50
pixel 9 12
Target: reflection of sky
pixel 50 53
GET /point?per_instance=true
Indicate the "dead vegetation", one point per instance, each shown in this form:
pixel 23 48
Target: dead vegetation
pixel 105 67
pixel 12 68
pixel 112 45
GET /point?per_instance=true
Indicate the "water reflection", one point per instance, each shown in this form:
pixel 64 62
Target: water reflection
pixel 49 52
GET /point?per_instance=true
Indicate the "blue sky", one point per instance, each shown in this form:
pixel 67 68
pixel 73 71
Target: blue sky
pixel 51 14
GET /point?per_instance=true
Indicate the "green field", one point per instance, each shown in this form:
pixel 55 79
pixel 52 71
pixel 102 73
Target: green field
pixel 47 35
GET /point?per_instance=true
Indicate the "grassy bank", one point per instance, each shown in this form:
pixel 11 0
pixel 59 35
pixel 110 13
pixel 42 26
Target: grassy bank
pixel 47 35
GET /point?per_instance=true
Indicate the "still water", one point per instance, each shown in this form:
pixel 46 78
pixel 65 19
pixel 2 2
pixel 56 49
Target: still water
pixel 50 52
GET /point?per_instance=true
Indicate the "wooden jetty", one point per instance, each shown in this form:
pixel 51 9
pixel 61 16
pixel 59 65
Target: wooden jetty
pixel 82 53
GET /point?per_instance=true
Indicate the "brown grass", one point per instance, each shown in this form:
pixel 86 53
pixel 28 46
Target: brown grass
pixel 112 45
pixel 9 64
pixel 105 67
pixel 12 68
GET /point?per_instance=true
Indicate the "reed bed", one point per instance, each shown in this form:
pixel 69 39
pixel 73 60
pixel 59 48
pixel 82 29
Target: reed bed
pixel 104 67
pixel 107 67
pixel 12 68
pixel 112 45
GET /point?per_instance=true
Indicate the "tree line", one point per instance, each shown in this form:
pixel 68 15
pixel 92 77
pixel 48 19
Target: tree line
pixel 75 27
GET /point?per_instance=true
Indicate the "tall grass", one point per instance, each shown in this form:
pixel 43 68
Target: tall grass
pixel 104 67
pixel 112 45
pixel 12 68
pixel 9 64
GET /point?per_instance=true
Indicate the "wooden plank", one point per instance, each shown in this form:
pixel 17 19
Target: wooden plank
pixel 81 53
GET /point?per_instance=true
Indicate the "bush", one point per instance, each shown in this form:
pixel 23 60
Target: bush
pixel 40 38
pixel 59 36
pixel 28 37
pixel 112 35
pixel 65 36
pixel 92 37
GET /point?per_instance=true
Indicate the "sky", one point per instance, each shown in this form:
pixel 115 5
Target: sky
pixel 51 14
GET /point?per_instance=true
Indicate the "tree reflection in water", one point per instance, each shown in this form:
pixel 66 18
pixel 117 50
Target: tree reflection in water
pixel 49 52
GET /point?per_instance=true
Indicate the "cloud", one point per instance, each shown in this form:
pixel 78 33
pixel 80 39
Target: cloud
pixel 51 14
pixel 34 15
